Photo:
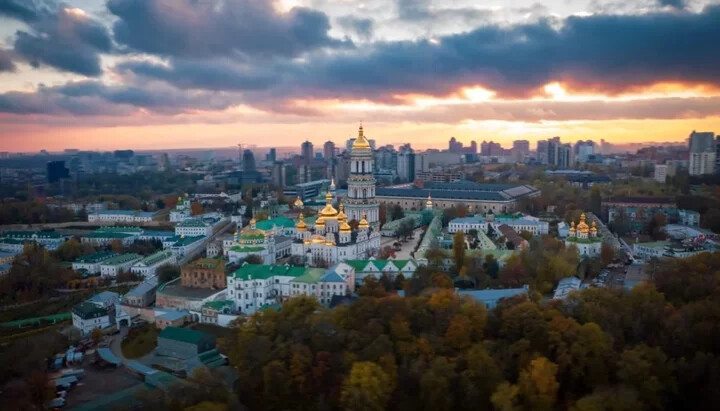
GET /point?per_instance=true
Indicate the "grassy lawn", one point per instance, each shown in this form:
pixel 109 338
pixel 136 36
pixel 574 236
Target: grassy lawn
pixel 140 341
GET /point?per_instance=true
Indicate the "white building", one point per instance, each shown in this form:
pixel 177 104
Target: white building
pixel 182 211
pixel 253 287
pixel 194 227
pixel 14 241
pixel 660 173
pixel 90 264
pixel 376 268
pixel 117 264
pixel 251 241
pixel 184 245
pixel 148 265
pixel 517 222
pixel 87 317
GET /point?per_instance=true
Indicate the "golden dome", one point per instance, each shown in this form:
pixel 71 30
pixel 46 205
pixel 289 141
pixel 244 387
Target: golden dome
pixel 572 227
pixel 345 227
pixel 360 142
pixel 363 222
pixel 180 199
pixel 301 225
pixel 317 239
pixel 582 225
pixel 329 211
pixel 341 215
pixel 330 242
pixel 320 222
pixel 306 242
pixel 428 203
pixel 593 228
pixel 298 203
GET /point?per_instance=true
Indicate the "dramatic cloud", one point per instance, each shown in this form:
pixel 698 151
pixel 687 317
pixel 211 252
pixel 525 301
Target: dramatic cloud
pixel 90 98
pixel 231 28
pixel 61 37
pixel 361 27
pixel 6 63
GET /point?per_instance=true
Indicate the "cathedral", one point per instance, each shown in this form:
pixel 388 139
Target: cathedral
pixel 332 239
pixel 584 237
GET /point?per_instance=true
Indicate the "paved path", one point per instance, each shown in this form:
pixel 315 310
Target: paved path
pixel 116 343
pixel 405 248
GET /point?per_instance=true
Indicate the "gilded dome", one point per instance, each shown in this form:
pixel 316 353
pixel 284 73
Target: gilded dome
pixel 582 225
pixel 429 203
pixel 345 227
pixel 341 215
pixel 301 225
pixel 298 203
pixel 329 211
pixel 572 227
pixel 320 222
pixel 593 228
pixel 317 239
pixel 363 222
pixel 360 142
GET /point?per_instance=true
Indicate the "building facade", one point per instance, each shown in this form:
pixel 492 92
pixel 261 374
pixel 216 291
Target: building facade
pixel 361 202
pixel 204 273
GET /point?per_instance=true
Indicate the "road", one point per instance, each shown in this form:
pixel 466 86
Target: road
pixel 116 343
pixel 207 241
pixel 405 248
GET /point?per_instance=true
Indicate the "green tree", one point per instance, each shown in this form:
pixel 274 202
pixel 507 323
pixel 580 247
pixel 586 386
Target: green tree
pixel 459 249
pixel 366 388
pixel 396 212
pixel 167 272
pixel 538 385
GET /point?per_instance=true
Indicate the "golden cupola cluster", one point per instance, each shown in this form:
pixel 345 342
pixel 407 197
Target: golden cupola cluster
pixel 329 211
pixel 582 226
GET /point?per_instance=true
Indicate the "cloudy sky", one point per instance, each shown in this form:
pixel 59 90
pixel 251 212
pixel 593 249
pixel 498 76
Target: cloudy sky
pixel 140 74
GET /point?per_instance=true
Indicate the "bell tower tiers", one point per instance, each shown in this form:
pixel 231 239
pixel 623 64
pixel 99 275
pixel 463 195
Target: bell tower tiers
pixel 361 183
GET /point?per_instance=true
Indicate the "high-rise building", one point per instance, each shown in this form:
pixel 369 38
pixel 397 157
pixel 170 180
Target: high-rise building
pixel 271 155
pixel 472 149
pixel 455 146
pixel 406 163
pixel 542 151
pixel 279 178
pixel 57 171
pixel 520 149
pixel 565 158
pixel 553 145
pixel 306 151
pixel 702 153
pixel 329 150
pixel 249 162
pixel 361 202
pixel 584 150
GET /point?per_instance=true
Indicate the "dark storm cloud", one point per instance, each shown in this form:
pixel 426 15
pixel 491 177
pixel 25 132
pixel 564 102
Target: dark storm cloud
pixel 89 98
pixel 194 74
pixel 607 53
pixel 59 37
pixel 6 63
pixel 362 27
pixel 219 28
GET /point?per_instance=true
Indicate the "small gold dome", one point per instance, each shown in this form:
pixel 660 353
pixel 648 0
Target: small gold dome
pixel 593 228
pixel 301 225
pixel 180 199
pixel 341 215
pixel 360 142
pixel 345 227
pixel 429 202
pixel 329 211
pixel 306 242
pixel 320 222
pixel 298 203
pixel 363 222
pixel 317 239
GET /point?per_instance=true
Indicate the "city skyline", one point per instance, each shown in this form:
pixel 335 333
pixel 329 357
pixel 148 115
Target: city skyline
pixel 98 75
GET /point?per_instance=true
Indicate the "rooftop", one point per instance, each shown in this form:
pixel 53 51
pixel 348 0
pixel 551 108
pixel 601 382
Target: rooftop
pixel 263 272
pixel 172 315
pixel 492 295
pixel 143 287
pixel 192 223
pixel 122 259
pixel 183 334
pixel 180 241
pixel 174 289
pixel 87 310
pixel 119 229
pixel 22 235
pixel 206 263
pixel 640 200
pixel 108 234
pixel 157 257
pixel 115 212
pixel 281 221
pixel 95 257
pixel 360 265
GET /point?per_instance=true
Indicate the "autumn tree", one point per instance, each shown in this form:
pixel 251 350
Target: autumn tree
pixel 459 249
pixel 366 388
pixel 607 253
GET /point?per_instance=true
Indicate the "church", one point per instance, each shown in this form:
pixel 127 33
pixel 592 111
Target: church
pixel 331 239
pixel 584 237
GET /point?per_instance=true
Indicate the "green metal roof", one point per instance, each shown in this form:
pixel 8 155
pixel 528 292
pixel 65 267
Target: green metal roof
pixel 192 223
pixel 156 257
pixel 95 257
pixel 311 276
pixel 30 234
pixel 218 305
pixel 360 265
pixel 108 234
pixel 122 259
pixel 183 334
pixel 120 229
pixel 277 221
pixel 89 310
pixel 207 263
pixel 239 249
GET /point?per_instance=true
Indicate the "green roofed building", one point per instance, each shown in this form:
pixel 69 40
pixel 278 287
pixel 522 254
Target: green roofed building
pixel 15 240
pixel 90 264
pixel 377 268
pixel 148 265
pixel 280 225
pixel 254 286
pixel 183 343
pixel 88 316
pixel 122 262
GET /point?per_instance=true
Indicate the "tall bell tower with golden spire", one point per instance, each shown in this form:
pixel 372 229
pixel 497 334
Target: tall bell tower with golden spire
pixel 361 183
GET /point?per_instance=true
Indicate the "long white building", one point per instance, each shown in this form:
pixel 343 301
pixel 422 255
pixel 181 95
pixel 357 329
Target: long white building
pixel 517 222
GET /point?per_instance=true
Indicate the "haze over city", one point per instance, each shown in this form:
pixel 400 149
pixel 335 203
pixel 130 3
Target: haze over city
pixel 166 74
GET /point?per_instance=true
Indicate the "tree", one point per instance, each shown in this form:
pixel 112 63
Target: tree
pixel 459 249
pixel 254 259
pixel 711 220
pixel 607 253
pixel 596 201
pixel 69 250
pixel 396 212
pixel 167 272
pixel 96 335
pixel 538 385
pixel 656 227
pixel 196 208
pixel 366 388
pixel 117 246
